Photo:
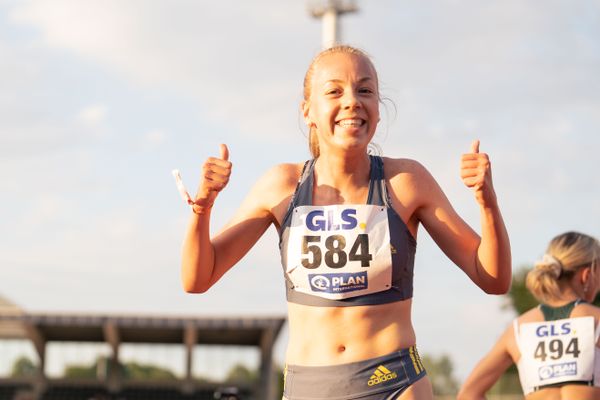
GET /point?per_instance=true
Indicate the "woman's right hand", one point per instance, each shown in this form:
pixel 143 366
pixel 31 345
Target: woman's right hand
pixel 476 173
pixel 215 176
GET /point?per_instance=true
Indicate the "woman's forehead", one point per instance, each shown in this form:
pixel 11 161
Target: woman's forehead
pixel 343 66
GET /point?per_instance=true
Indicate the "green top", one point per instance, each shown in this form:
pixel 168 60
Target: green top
pixel 562 312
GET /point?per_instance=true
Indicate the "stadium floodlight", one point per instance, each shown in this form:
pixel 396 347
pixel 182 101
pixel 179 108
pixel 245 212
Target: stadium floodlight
pixel 328 11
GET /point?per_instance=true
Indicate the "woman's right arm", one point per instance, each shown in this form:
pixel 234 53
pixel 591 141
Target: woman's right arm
pixel 206 259
pixel 488 370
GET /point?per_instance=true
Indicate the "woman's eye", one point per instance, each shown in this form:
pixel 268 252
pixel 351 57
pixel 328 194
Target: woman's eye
pixel 332 91
pixel 365 90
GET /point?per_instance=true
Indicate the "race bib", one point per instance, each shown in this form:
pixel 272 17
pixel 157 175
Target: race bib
pixel 557 351
pixel 339 251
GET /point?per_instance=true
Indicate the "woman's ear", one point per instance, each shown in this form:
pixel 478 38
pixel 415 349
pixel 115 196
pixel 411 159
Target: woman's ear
pixel 586 276
pixel 586 280
pixel 305 113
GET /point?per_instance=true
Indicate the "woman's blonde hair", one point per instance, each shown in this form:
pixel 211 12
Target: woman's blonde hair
pixel 566 254
pixel 313 141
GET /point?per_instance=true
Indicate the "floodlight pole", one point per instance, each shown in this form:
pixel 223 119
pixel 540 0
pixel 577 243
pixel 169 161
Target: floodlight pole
pixel 329 11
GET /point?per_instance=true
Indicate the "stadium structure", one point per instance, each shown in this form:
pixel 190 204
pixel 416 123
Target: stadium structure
pixel 41 329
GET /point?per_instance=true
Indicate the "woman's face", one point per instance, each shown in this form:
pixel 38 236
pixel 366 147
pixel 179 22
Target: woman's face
pixel 344 102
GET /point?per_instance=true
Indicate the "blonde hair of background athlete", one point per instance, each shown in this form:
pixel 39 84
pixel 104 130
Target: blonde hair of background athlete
pixel 573 250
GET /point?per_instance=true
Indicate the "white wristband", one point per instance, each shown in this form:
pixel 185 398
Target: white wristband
pixel 182 191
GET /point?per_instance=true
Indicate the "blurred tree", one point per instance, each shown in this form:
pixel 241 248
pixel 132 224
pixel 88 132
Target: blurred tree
pixel 80 371
pixel 23 367
pixel 133 370
pixel 241 373
pixel 280 380
pixel 518 297
pixel 508 384
pixel 440 373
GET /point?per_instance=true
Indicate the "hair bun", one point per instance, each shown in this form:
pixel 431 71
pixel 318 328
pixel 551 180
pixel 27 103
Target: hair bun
pixel 551 264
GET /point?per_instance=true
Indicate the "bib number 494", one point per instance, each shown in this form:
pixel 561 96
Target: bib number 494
pixel 556 349
pixel 335 256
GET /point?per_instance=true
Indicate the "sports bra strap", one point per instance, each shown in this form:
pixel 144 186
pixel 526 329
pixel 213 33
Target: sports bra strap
pixel 378 193
pixel 516 333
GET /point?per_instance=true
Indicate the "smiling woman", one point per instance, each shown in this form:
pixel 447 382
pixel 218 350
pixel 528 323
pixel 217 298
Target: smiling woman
pixel 332 92
pixel 348 223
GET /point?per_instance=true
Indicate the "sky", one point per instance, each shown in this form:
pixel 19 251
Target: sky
pixel 100 100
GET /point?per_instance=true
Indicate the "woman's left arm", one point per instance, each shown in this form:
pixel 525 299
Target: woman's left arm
pixel 486 259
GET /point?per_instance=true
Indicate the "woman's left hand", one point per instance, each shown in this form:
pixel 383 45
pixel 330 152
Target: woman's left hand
pixel 476 173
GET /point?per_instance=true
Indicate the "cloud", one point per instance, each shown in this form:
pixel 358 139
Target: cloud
pixel 218 64
pixel 154 139
pixel 93 115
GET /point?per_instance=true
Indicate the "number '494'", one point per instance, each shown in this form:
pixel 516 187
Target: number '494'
pixel 335 256
pixel 556 349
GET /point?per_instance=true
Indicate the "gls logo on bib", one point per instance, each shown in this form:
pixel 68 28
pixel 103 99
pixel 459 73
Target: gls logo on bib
pixel 317 220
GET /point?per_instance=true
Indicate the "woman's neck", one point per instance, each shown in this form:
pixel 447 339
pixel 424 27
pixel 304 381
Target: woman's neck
pixel 342 179
pixel 568 295
pixel 343 169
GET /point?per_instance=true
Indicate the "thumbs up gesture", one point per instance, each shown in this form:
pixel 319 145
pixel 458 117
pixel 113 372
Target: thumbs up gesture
pixel 215 176
pixel 476 173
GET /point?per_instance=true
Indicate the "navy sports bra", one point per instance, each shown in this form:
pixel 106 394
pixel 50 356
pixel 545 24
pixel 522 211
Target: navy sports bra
pixel 400 253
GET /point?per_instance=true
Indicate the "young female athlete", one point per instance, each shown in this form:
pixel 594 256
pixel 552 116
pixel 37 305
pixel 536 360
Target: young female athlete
pixel 555 345
pixel 347 223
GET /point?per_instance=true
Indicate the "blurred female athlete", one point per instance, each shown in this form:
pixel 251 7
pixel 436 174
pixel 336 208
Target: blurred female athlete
pixel 555 345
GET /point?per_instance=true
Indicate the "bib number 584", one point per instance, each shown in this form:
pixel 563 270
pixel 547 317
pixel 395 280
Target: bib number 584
pixel 335 256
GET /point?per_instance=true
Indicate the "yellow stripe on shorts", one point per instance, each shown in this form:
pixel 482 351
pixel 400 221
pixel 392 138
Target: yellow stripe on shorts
pixel 414 356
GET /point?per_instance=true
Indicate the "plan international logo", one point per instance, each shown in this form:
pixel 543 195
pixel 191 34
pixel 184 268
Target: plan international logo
pixel 558 370
pixel 338 283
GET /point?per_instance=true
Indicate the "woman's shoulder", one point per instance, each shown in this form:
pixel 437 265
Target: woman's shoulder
pixel 406 169
pixel 399 165
pixel 280 179
pixel 283 174
pixel 409 176
pixel 532 315
pixel 585 310
pixel 273 187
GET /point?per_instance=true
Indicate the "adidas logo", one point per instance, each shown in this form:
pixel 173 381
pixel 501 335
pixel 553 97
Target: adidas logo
pixel 380 375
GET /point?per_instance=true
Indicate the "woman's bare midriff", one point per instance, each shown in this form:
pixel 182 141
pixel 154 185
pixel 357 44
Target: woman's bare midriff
pixel 338 335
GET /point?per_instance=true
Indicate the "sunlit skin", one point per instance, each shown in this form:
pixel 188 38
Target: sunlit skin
pixel 344 109
pixel 506 352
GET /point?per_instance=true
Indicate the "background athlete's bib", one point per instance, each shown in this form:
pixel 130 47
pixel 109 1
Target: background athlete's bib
pixel 557 351
pixel 339 251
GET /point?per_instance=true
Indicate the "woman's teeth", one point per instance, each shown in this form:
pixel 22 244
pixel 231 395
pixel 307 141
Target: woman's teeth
pixel 347 123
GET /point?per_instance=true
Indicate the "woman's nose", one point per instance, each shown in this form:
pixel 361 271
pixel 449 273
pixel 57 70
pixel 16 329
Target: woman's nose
pixel 350 100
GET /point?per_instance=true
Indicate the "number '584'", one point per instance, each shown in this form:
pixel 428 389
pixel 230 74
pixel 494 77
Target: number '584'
pixel 335 256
